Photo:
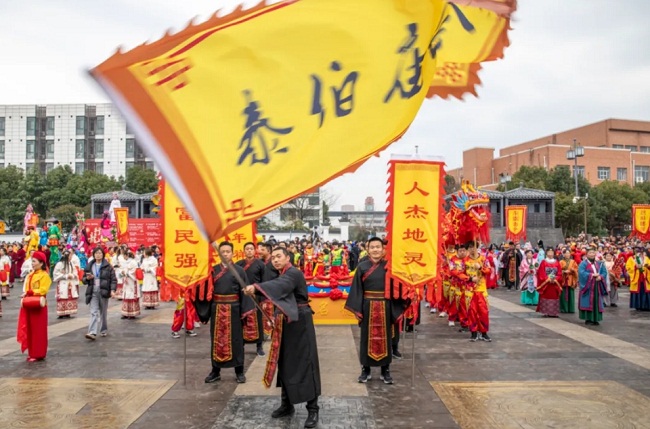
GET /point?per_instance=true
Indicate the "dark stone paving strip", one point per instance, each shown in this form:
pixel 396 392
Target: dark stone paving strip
pixel 335 413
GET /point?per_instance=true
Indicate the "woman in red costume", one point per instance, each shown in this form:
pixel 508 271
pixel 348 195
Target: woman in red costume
pixel 549 285
pixel 32 321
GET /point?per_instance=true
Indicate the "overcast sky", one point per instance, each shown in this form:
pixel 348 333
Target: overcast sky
pixel 570 63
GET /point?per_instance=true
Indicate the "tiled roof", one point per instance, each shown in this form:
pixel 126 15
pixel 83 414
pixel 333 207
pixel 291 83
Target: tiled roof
pixel 522 193
pixel 121 195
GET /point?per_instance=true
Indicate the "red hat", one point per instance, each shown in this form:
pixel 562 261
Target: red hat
pixel 40 256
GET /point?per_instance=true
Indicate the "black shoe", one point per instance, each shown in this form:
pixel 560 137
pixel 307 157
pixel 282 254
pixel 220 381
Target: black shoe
pixel 464 329
pixel 212 377
pixel 260 351
pixel 283 411
pixel 386 378
pixel 596 323
pixel 397 355
pixel 614 305
pixel 241 378
pixel 364 377
pixel 588 322
pixel 486 337
pixel 312 419
pixel 474 337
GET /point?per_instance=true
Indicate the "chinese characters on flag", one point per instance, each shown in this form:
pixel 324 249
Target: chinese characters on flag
pixel 516 217
pixel 186 253
pixel 641 221
pixel 289 103
pixel 414 208
pixel 122 222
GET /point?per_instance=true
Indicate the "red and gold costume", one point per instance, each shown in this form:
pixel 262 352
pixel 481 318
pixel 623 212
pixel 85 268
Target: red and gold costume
pixel 458 282
pixel 32 322
pixel 476 293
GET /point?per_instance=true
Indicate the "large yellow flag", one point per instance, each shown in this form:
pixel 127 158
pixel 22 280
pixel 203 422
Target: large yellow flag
pixel 242 113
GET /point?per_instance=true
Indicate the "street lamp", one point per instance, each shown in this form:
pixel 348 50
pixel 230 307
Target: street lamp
pixel 574 153
pixel 504 178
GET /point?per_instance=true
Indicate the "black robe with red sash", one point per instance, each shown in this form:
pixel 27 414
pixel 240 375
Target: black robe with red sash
pixel 293 345
pixel 253 323
pixel 229 306
pixel 376 314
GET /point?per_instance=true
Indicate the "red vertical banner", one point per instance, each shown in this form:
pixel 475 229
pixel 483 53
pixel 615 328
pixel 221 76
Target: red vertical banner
pixel 414 225
pixel 641 221
pixel 516 218
pixel 122 224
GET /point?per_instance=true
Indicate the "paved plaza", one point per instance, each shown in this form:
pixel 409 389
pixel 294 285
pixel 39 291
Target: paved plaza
pixel 537 373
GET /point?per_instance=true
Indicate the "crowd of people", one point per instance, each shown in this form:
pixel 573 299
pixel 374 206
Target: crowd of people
pixel 275 274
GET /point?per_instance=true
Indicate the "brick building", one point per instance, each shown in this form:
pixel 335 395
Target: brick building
pixel 614 149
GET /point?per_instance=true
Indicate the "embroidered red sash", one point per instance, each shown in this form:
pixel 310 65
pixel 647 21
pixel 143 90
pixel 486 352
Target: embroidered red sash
pixel 222 343
pixel 370 271
pixel 251 331
pixel 274 352
pixel 269 309
pixel 377 335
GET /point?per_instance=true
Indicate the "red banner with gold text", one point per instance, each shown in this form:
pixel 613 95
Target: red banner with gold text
pixel 516 217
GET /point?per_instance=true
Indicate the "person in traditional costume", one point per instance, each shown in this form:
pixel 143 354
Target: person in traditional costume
pixel 478 312
pixel 491 261
pixel 115 203
pixel 592 276
pixel 227 309
pixel 130 291
pixel 101 282
pixel 32 318
pixel 17 259
pixel 53 241
pixel 185 314
pixel 569 282
pixel 5 271
pixel 549 281
pixel 253 323
pixel 528 279
pixel 293 353
pixel 149 266
pixel 375 313
pixel 638 268
pixel 31 240
pixel 612 280
pixel 118 263
pixel 309 258
pixel 264 252
pixel 66 279
pixel 459 281
pixel 337 260
pixel 511 261
pixel 448 289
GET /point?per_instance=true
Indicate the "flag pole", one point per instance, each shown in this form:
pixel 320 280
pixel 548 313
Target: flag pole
pixel 185 346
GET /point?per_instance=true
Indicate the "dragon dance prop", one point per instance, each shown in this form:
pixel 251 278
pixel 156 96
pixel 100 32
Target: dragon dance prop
pixel 273 91
pixel 468 218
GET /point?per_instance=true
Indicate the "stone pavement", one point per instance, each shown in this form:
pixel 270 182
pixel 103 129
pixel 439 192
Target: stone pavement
pixel 537 373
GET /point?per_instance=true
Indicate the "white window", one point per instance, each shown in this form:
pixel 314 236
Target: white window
pixel 49 149
pixel 603 173
pixel 79 167
pixel 80 148
pixel 30 149
pixel 579 170
pixel 621 174
pixel 641 173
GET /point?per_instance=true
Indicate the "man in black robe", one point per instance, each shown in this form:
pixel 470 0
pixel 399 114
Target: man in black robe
pixel 511 261
pixel 270 273
pixel 253 323
pixel 375 313
pixel 293 345
pixel 229 306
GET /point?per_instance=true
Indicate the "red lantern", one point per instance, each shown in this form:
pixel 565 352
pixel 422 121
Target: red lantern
pixel 139 274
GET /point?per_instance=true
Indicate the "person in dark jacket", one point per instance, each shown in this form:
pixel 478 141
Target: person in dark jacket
pixel 100 278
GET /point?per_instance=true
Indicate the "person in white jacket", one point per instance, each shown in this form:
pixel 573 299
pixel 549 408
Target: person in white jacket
pixel 27 265
pixel 149 264
pixel 66 279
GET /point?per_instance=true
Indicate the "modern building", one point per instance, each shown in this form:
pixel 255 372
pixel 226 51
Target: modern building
pixel 614 149
pixel 307 207
pixel 83 136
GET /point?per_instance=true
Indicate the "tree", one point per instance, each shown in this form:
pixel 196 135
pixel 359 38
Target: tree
pixel 141 180
pixel 560 179
pixel 450 185
pixel 264 224
pixel 613 203
pixel 81 187
pixel 32 190
pixel 66 215
pixel 531 177
pixel 11 204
